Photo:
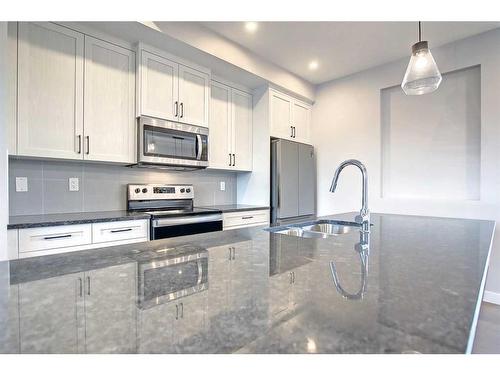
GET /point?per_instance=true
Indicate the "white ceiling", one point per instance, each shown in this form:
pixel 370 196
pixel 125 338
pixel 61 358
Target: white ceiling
pixel 341 48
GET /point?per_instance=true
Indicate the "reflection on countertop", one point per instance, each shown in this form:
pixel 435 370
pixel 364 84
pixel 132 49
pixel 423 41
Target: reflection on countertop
pixel 254 291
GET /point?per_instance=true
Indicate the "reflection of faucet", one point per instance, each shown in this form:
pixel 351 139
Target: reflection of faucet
pixel 363 249
pixel 364 215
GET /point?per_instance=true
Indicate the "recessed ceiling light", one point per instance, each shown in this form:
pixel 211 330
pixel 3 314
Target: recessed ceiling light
pixel 251 27
pixel 313 65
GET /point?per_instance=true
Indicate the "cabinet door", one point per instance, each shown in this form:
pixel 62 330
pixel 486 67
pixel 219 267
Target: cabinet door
pixel 194 92
pixel 109 102
pixel 50 91
pixel 110 312
pixel 159 87
pixel 220 126
pixel 242 129
pixel 50 315
pixel 301 120
pixel 279 294
pixel 156 329
pixel 191 321
pixel 281 115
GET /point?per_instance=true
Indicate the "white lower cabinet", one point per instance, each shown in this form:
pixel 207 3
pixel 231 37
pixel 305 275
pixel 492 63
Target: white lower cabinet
pixel 65 238
pixel 86 312
pixel 241 219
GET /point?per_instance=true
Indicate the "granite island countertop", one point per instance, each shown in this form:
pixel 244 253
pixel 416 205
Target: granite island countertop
pixel 416 289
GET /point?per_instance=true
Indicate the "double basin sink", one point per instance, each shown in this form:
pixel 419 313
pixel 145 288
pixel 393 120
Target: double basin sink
pixel 317 229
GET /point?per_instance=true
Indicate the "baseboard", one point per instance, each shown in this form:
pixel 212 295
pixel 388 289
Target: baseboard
pixel 491 297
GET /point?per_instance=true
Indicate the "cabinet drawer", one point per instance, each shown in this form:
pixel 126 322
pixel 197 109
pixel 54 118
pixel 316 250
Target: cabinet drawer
pixel 245 218
pixel 119 230
pixel 36 239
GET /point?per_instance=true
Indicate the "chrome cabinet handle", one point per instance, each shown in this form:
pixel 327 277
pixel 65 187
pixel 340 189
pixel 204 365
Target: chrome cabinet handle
pixel 57 237
pixel 234 160
pixel 79 143
pixel 247 217
pixel 176 105
pixel 176 312
pixel 182 110
pixel 291 130
pixel 230 160
pixel 88 144
pixel 88 285
pixel 120 230
pixel 81 286
pixel 182 310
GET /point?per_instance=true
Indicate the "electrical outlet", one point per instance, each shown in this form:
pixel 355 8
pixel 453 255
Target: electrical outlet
pixel 222 185
pixel 74 184
pixel 21 184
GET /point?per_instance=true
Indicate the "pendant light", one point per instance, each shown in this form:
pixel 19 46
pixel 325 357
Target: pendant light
pixel 422 75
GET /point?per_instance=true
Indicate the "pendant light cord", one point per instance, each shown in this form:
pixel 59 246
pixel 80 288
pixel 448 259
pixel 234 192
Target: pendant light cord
pixel 419 31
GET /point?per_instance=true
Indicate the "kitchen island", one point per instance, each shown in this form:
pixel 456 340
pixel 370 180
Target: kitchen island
pixel 416 286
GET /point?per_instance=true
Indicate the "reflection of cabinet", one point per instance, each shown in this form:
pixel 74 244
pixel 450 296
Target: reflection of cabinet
pixel 229 279
pixel 288 290
pixel 50 315
pixel 110 310
pixel 91 312
pixel 163 327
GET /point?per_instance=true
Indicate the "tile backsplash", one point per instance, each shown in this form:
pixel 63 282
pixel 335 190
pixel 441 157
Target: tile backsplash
pixel 102 187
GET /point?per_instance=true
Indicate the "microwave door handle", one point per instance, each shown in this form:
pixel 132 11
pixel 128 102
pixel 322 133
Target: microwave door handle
pixel 199 147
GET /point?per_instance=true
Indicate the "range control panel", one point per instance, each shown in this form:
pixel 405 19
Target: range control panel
pixel 154 191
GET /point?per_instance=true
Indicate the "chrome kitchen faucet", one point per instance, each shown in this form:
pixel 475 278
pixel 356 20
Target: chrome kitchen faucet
pixel 364 215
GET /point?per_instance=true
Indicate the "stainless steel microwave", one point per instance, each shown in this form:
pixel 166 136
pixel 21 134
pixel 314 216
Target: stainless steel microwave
pixel 171 145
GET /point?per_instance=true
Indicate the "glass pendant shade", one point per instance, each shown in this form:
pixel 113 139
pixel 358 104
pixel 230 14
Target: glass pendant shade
pixel 422 75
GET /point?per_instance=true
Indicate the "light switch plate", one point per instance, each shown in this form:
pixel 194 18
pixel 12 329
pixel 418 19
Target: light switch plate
pixel 74 184
pixel 21 184
pixel 222 185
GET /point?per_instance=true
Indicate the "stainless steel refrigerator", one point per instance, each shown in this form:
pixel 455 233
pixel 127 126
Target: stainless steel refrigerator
pixel 293 181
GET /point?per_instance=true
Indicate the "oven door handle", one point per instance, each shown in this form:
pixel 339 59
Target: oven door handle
pixel 199 147
pixel 168 222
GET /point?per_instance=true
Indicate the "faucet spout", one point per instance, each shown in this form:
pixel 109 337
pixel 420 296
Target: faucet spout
pixel 364 214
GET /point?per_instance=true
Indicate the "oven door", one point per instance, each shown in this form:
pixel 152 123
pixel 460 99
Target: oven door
pixel 172 144
pixel 182 226
pixel 164 280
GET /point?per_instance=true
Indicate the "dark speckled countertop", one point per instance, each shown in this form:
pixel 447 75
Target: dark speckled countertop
pixel 48 220
pixel 415 288
pixel 33 221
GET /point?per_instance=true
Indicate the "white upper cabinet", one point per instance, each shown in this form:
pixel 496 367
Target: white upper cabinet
pixel 220 140
pixel 172 91
pixel 301 121
pixel 159 86
pixel 231 129
pixel 109 114
pixel 50 91
pixel 194 91
pixel 290 118
pixel 242 130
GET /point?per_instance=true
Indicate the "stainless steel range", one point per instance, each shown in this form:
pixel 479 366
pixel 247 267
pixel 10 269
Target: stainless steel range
pixel 172 211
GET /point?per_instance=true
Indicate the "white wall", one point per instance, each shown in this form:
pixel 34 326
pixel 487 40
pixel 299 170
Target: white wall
pixel 4 201
pixel 347 124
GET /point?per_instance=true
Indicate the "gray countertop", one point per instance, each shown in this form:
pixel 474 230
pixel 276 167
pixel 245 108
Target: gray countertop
pixel 266 293
pixel 34 221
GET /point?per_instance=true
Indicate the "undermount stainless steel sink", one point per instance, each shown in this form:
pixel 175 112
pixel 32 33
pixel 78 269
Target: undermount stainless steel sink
pixel 318 229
